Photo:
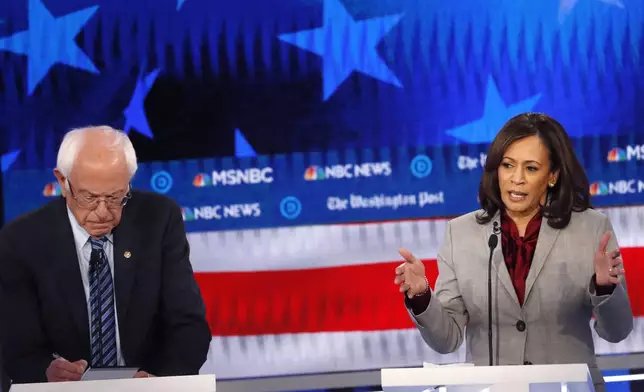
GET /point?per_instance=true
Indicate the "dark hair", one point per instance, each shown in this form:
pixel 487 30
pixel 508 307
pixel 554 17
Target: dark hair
pixel 570 193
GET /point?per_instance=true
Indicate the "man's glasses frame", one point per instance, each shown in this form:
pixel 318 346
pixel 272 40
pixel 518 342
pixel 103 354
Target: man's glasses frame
pixel 92 202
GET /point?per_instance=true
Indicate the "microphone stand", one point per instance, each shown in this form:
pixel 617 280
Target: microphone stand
pixel 492 242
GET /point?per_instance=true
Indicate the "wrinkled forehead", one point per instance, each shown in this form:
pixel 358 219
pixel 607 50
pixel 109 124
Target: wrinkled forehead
pixel 100 179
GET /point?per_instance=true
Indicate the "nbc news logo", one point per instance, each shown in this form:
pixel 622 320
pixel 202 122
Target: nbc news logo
pixel 621 187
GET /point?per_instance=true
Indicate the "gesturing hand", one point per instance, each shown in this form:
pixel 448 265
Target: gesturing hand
pixel 607 269
pixel 410 275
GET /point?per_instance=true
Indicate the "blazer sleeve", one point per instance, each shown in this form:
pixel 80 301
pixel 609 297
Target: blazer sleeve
pixel 186 335
pixel 442 325
pixel 613 314
pixel 24 344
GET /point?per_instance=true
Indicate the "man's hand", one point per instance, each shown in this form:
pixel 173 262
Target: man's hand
pixel 142 374
pixel 62 370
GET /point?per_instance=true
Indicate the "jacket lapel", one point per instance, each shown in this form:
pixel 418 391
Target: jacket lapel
pixel 547 238
pixel 125 258
pixel 498 262
pixel 69 275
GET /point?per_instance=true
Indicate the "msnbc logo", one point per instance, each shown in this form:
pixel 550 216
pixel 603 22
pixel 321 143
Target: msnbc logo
pixel 52 189
pixel 631 152
pixel 201 180
pixel 616 155
pixel 250 176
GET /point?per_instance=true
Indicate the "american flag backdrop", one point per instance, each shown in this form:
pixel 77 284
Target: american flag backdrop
pixel 190 79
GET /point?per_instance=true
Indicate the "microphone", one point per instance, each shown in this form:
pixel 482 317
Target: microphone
pixel 492 242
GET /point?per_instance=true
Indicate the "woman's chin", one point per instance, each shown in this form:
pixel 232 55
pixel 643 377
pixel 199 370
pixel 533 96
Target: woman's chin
pixel 520 207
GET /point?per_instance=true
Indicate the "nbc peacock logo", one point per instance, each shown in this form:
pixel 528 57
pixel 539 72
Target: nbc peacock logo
pixel 617 155
pixel 52 189
pixel 201 180
pixel 598 188
pixel 313 173
pixel 187 214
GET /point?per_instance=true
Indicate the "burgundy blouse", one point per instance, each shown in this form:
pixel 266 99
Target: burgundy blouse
pixel 518 251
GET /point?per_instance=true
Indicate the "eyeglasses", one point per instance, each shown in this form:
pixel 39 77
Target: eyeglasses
pixel 91 202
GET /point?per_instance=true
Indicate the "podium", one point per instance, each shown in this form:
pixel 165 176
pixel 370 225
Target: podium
pixel 528 378
pixel 200 383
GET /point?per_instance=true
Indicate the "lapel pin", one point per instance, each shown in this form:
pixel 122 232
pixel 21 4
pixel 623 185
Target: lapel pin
pixel 127 254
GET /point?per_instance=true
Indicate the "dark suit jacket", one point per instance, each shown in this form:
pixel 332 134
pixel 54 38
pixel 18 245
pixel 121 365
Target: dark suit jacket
pixel 5 381
pixel 161 313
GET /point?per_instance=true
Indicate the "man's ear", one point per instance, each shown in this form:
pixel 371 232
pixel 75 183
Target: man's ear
pixel 62 181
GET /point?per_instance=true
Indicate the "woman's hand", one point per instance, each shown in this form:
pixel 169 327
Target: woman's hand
pixel 410 275
pixel 607 265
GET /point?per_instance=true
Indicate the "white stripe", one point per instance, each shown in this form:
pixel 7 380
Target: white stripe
pixel 311 246
pixel 269 355
pixel 307 247
pixel 289 354
pixel 625 377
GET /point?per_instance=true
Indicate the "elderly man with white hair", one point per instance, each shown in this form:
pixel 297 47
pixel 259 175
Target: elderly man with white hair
pixel 100 277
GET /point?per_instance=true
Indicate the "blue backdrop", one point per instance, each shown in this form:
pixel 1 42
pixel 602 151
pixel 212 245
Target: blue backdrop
pixel 301 75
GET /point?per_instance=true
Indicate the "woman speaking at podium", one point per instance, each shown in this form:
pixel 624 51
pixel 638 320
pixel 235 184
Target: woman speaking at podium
pixel 554 261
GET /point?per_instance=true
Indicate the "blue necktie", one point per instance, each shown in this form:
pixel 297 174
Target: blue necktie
pixel 101 300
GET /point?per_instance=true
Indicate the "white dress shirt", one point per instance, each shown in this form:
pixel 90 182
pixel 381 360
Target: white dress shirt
pixel 84 250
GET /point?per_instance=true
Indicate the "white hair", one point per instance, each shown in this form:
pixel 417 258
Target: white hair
pixel 75 139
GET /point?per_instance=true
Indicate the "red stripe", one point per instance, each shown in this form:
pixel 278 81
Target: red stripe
pixel 348 298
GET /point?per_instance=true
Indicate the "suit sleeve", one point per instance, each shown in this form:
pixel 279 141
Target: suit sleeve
pixel 186 335
pixel 613 315
pixel 25 353
pixel 442 324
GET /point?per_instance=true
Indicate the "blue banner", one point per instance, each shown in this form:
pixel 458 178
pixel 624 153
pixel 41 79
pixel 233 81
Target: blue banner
pixel 337 187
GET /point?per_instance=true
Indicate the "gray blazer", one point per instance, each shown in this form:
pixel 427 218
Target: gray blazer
pixel 553 326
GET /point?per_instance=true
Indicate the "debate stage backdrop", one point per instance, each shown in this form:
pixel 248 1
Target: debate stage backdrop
pixel 309 139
